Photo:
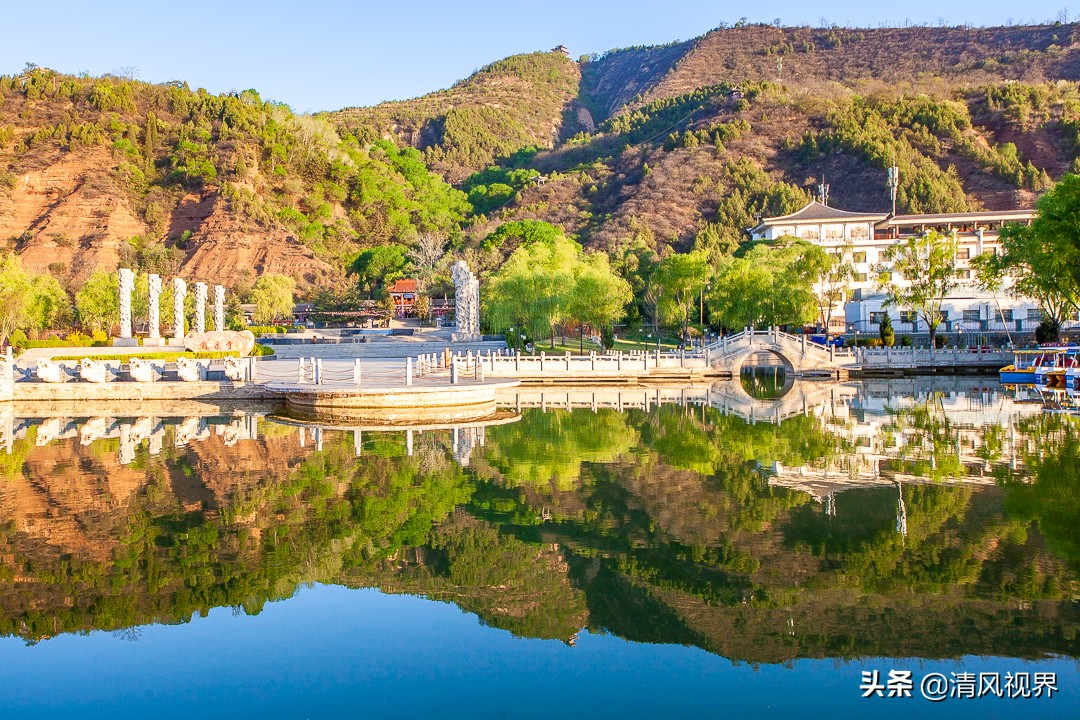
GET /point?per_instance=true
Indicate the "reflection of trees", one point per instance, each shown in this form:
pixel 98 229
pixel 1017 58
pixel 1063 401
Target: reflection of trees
pixel 931 442
pixel 330 511
pixel 861 543
pixel 547 449
pixel 1051 498
pixel 666 530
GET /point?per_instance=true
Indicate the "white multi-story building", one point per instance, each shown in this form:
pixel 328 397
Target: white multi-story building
pixel 863 239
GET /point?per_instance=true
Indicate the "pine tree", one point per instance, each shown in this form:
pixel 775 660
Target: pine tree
pixel 888 337
pixel 150 138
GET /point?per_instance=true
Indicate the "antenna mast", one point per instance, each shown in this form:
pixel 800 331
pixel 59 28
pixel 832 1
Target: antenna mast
pixel 894 183
pixel 823 192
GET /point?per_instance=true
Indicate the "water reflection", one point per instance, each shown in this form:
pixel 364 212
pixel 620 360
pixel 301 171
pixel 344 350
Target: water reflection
pixel 900 518
pixel 764 377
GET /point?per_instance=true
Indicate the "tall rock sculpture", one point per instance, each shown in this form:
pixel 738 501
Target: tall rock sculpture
pixel 219 307
pixel 200 307
pixel 466 302
pixel 127 285
pixel 179 293
pixel 153 285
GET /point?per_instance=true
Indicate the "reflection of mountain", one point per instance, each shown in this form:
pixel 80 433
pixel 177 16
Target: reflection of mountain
pixel 659 526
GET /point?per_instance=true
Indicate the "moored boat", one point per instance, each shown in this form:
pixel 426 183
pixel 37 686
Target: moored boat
pixel 1049 365
pixel 1023 370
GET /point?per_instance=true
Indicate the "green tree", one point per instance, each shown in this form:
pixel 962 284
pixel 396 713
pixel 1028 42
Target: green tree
pixel 387 307
pixel 599 296
pixel 921 274
pixel 682 278
pixel 14 295
pixel 49 306
pixel 740 293
pixel 772 284
pixel 422 307
pixel 377 266
pixel 831 283
pixel 1040 260
pixel 533 290
pixel 272 295
pixel 97 303
pixel 885 330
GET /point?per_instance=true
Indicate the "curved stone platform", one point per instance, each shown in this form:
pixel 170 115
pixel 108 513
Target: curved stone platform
pixel 400 405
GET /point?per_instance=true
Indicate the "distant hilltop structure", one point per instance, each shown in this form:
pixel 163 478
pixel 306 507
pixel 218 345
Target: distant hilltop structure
pixel 561 49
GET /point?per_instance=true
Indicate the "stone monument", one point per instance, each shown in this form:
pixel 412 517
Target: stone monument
pixel 127 284
pixel 219 307
pixel 466 302
pixel 154 286
pixel 179 292
pixel 200 307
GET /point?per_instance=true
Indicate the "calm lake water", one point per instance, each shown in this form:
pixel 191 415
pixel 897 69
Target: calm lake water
pixel 750 547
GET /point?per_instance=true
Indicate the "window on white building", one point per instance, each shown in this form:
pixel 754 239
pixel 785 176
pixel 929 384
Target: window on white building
pixel 1007 315
pixel 859 257
pixel 963 273
pixel 858 231
pixel 859 277
pixel 972 316
pixel 876 318
pixel 1035 315
pixel 809 234
pixel 908 316
pixel 963 253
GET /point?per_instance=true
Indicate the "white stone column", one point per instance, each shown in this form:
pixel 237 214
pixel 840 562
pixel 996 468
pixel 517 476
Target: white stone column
pixel 179 293
pixel 154 286
pixel 467 301
pixel 219 307
pixel 127 284
pixel 200 307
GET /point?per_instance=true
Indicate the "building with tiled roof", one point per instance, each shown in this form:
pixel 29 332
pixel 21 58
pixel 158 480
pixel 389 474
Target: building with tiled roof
pixel 404 293
pixel 862 239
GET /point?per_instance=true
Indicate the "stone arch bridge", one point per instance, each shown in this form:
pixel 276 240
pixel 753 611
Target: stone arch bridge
pixel 799 355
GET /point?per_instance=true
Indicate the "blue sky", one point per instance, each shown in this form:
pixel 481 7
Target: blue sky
pixel 323 55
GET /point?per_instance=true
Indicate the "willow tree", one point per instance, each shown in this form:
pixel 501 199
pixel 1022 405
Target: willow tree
pixel 599 296
pixel 272 295
pixel 548 282
pixel 919 274
pixel 682 279
pixel 531 292
pixel 772 284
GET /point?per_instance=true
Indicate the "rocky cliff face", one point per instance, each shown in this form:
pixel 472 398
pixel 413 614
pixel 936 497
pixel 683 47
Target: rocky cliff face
pixel 67 216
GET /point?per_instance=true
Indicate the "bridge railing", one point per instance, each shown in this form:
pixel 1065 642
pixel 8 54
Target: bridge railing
pixel 614 363
pixel 736 343
pixel 925 357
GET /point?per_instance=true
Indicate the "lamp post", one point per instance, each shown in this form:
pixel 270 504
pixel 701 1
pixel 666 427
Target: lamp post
pixel 701 310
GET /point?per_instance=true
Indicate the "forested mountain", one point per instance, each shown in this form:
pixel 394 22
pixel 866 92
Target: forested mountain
pixel 675 146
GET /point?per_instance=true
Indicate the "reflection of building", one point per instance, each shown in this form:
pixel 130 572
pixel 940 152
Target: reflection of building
pixel 862 240
pixel 404 294
pixel 890 425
